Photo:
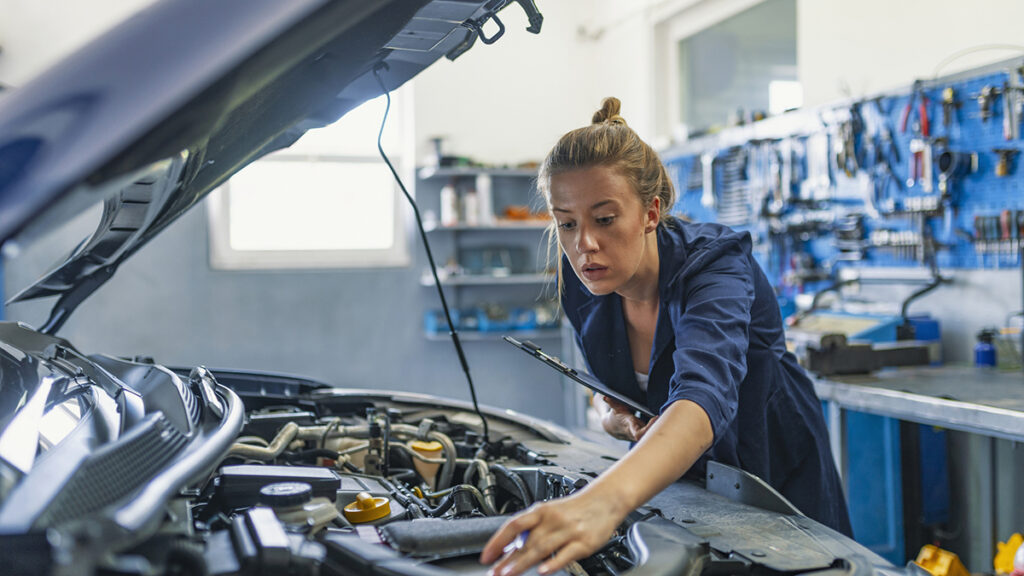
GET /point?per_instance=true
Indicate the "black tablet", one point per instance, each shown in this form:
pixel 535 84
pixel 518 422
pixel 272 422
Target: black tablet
pixel 581 377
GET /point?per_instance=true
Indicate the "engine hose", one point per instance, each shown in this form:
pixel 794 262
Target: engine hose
pixel 473 490
pixel 448 468
pixel 332 430
pixel 486 480
pixel 484 504
pixel 450 454
pixel 412 501
pixel 284 437
pixel 502 473
pixel 185 557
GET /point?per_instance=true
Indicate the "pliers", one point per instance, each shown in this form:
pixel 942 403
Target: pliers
pixel 921 128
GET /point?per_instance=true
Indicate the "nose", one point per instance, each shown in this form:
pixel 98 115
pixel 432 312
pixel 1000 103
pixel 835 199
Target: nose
pixel 586 241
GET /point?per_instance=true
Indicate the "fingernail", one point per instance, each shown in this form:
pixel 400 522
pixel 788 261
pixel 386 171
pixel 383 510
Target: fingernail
pixel 507 570
pixel 543 569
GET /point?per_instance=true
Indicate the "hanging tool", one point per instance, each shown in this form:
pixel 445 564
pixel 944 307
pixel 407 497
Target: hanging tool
pixel 984 99
pixel 1019 225
pixel 949 106
pixel 1010 127
pixel 707 162
pixel 920 162
pixel 952 165
pixel 1004 166
pixel 1005 227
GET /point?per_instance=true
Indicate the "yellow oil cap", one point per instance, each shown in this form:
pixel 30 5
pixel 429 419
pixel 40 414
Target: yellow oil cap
pixel 428 449
pixel 366 508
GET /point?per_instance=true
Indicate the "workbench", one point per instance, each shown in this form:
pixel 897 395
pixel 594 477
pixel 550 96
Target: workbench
pixel 983 401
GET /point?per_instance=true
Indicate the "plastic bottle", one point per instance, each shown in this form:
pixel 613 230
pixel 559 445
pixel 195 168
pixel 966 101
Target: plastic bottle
pixel 483 191
pixel 449 206
pixel 984 350
pixel 471 208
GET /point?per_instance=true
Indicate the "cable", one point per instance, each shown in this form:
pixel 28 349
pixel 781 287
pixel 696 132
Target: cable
pixel 430 255
pixel 980 48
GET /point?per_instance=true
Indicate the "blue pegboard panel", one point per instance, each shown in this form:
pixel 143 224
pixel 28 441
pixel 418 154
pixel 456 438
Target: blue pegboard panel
pixel 928 176
pixel 844 185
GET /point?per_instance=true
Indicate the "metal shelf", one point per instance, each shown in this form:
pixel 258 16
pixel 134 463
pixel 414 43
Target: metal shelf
pixel 513 225
pixel 427 280
pixel 428 172
pixel 473 336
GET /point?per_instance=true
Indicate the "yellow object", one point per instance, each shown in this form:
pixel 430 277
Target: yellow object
pixel 416 490
pixel 432 450
pixel 940 562
pixel 1003 562
pixel 366 508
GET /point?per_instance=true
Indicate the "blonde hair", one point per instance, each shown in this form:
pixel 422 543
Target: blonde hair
pixel 607 141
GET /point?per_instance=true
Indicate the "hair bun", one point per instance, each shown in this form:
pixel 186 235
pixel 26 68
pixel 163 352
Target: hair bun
pixel 609 112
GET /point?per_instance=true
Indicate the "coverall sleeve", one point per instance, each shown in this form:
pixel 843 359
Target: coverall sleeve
pixel 710 314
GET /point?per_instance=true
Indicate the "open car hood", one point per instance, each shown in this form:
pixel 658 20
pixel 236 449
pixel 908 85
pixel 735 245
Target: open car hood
pixel 160 111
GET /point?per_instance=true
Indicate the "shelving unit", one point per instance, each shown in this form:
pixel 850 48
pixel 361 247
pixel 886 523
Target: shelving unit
pixel 522 278
pixel 471 280
pixel 469 336
pixel 504 226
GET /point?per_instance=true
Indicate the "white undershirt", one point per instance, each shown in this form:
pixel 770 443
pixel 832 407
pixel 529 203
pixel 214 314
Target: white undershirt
pixel 642 379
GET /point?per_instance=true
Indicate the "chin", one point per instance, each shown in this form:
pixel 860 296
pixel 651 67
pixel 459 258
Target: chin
pixel 599 288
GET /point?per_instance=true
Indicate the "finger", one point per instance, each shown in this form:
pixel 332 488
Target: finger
pixel 615 404
pixel 573 551
pixel 640 433
pixel 536 550
pixel 508 531
pixel 635 428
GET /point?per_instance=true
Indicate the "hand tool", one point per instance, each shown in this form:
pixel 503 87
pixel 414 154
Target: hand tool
pixel 920 166
pixel 949 106
pixel 1004 164
pixel 984 99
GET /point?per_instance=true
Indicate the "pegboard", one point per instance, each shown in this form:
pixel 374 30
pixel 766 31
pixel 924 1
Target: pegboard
pixel 926 176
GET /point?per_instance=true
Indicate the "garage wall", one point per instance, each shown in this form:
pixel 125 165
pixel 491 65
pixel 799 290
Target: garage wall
pixel 510 101
pixel 858 48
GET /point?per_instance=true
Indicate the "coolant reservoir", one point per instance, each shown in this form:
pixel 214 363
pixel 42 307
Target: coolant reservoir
pixel 295 507
pixel 432 450
pixel 342 444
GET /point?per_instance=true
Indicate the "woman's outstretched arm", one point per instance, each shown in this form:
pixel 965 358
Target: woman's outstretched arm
pixel 576 526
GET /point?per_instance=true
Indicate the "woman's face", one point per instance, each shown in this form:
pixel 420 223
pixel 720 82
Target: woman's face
pixel 602 226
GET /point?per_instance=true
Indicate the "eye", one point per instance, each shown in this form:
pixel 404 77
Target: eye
pixel 566 226
pixel 605 220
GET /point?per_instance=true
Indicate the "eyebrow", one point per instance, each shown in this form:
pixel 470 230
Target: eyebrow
pixel 593 207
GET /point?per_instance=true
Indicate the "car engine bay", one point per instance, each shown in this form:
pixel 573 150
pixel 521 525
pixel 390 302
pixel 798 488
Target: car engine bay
pixel 124 466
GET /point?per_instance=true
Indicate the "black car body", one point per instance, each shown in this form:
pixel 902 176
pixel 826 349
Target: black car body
pixel 124 466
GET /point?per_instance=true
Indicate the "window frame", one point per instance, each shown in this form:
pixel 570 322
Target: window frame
pixel 222 256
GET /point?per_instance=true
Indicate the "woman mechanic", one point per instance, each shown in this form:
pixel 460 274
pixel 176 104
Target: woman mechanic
pixel 682 315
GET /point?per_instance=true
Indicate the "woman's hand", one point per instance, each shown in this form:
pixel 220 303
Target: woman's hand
pixel 618 420
pixel 576 526
pixel 569 528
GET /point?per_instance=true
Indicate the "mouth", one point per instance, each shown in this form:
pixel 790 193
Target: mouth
pixel 593 271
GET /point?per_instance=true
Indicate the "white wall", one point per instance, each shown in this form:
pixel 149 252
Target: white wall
pixel 545 87
pixel 35 34
pixel 847 48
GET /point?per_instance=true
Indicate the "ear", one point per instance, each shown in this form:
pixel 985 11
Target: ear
pixel 652 216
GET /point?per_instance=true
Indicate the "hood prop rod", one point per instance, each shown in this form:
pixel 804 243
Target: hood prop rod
pixel 430 256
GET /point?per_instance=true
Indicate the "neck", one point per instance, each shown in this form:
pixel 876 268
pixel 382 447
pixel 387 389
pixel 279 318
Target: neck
pixel 642 288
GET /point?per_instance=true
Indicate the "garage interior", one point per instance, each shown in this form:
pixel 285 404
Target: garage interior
pixel 872 150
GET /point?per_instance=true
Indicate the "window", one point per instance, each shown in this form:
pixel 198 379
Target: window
pixel 742 64
pixel 327 201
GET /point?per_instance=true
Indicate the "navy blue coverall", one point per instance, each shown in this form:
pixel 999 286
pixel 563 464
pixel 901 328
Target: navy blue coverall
pixel 719 342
